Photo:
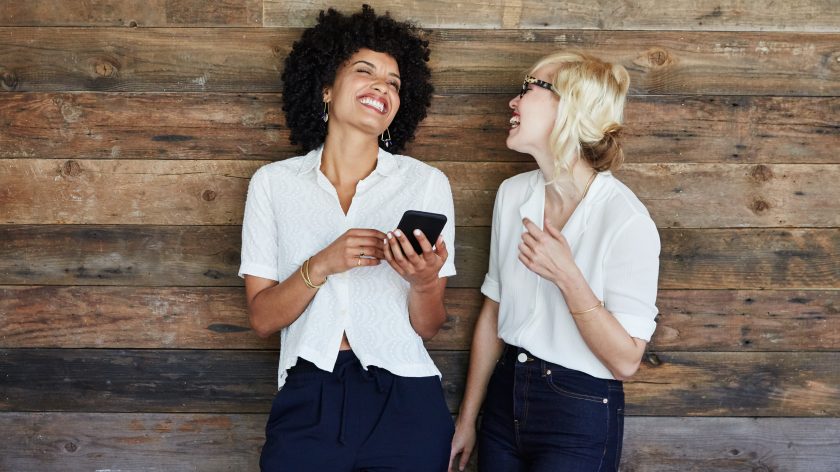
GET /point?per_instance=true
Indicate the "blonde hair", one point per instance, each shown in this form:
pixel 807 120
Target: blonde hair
pixel 589 115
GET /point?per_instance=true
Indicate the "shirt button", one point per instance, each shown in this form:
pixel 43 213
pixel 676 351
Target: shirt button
pixel 606 401
pixel 548 372
pixel 522 357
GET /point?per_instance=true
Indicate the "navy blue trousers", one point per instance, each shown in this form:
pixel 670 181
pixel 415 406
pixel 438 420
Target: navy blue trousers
pixel 356 420
pixel 541 417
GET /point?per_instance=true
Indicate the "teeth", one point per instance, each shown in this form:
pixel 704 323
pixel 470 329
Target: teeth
pixel 514 122
pixel 374 103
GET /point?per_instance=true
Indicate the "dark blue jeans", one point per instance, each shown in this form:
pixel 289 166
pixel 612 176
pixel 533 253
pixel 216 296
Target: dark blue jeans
pixel 541 417
pixel 357 420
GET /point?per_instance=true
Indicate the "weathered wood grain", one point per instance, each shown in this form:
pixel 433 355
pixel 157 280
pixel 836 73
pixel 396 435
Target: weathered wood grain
pixel 464 61
pixel 730 15
pixel 165 318
pixel 748 259
pixel 754 320
pixel 222 381
pixel 762 15
pixel 209 256
pixel 212 192
pixel 684 129
pixel 160 255
pixel 78 442
pixel 133 13
pixel 216 318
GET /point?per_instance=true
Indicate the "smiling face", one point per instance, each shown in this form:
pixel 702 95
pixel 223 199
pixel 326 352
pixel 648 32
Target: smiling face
pixel 534 113
pixel 365 94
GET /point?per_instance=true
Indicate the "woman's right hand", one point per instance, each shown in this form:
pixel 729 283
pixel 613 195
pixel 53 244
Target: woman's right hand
pixel 358 247
pixel 463 443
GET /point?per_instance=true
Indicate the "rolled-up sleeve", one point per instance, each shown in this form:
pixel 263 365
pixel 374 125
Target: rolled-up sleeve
pixel 631 276
pixel 491 287
pixel 259 231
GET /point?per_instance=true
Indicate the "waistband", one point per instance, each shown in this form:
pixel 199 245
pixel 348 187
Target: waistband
pixel 512 354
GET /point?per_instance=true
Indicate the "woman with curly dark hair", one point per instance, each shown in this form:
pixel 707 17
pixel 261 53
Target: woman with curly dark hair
pixel 358 391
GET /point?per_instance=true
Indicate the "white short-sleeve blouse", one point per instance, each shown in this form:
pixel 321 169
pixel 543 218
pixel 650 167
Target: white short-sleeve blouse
pixel 616 246
pixel 293 211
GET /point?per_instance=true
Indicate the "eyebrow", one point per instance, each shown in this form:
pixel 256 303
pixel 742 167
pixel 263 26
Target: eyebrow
pixel 374 67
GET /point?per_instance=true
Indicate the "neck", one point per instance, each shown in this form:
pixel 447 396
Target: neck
pixel 348 157
pixel 581 176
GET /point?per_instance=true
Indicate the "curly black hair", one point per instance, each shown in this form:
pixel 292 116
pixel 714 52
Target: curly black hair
pixel 322 49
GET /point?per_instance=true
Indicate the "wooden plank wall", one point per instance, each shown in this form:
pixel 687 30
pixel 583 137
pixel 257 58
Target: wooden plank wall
pixel 129 130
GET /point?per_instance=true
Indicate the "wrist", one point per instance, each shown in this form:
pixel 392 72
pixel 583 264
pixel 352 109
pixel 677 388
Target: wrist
pixel 317 272
pixel 426 286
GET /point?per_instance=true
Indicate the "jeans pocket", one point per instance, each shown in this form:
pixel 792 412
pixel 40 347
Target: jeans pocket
pixel 569 390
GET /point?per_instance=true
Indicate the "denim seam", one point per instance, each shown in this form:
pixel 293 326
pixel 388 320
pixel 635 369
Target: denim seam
pixel 567 393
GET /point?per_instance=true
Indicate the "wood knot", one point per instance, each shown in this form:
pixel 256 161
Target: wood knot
pixel 208 195
pixel 132 24
pixel 106 68
pixel 71 447
pixel 658 57
pixel 71 168
pixel 9 81
pixel 759 206
pixel 761 173
pixel 652 359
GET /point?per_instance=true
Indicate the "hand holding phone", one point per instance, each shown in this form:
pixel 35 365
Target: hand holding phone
pixel 431 224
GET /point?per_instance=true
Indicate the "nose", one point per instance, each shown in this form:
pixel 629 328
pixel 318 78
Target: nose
pixel 379 86
pixel 514 102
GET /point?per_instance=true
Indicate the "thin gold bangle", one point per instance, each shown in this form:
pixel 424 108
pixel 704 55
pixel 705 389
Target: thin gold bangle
pixel 576 313
pixel 304 273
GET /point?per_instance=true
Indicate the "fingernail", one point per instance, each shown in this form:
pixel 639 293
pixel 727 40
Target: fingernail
pixel 417 232
pixel 398 233
pixel 390 236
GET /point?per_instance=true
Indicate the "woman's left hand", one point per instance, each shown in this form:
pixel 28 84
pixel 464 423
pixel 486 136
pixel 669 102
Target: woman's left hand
pixel 417 269
pixel 547 253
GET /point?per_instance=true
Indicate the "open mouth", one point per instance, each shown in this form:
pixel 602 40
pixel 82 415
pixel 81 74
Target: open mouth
pixel 378 105
pixel 514 122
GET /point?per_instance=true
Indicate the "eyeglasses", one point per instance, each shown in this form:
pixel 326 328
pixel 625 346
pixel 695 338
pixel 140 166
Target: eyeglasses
pixel 537 82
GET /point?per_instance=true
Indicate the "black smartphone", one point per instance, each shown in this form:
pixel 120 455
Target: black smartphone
pixel 431 224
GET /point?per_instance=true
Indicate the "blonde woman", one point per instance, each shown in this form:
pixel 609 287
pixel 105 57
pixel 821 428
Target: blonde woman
pixel 571 284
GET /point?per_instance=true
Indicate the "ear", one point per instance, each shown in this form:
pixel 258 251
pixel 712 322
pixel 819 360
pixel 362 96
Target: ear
pixel 326 94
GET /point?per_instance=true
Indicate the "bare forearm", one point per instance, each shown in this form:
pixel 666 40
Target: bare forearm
pixel 425 308
pixel 272 308
pixel 603 334
pixel 485 351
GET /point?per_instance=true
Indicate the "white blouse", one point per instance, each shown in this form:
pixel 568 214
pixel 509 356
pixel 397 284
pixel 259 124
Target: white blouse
pixel 616 246
pixel 293 212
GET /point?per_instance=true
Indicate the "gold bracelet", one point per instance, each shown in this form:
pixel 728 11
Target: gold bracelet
pixel 576 313
pixel 304 273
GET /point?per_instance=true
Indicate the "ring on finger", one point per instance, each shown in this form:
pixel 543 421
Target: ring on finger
pixel 362 254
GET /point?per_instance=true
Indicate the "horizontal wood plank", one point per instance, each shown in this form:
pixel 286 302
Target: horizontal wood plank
pixel 133 13
pixel 212 192
pixel 684 129
pixel 209 256
pixel 703 15
pixel 761 15
pixel 164 317
pixel 223 381
pixel 464 61
pixel 223 442
pixel 216 318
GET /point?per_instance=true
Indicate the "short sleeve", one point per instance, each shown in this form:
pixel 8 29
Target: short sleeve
pixel 439 200
pixel 259 231
pixel 491 287
pixel 631 276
